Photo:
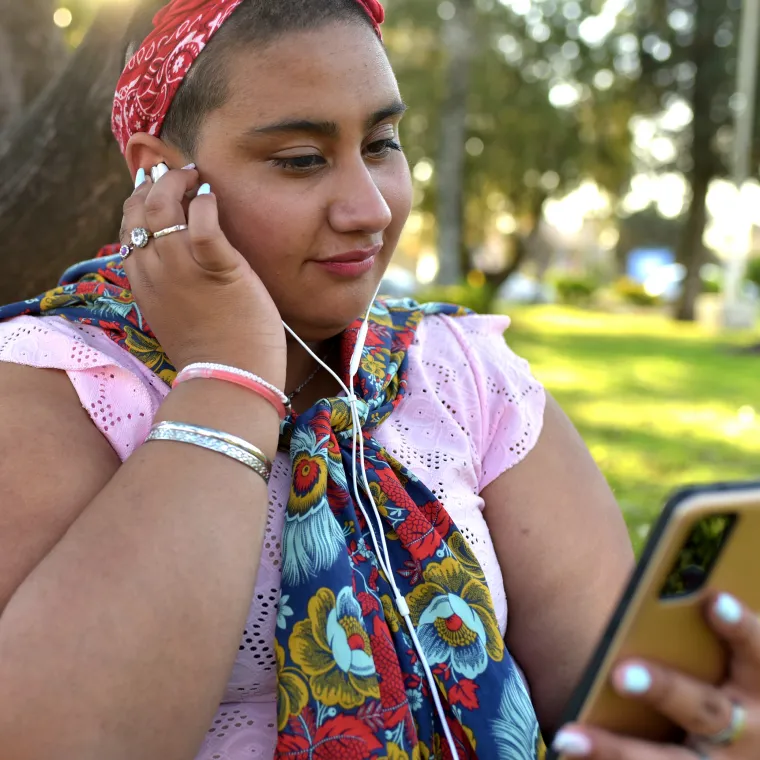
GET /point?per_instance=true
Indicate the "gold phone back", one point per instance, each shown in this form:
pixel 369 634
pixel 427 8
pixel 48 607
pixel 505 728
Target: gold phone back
pixel 673 631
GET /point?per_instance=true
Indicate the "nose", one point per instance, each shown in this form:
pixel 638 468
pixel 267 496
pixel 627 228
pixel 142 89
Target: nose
pixel 358 205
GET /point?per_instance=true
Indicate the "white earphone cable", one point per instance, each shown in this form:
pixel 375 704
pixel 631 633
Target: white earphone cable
pixel 383 557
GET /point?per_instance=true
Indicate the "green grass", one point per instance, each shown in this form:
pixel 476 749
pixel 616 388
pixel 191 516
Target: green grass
pixel 659 404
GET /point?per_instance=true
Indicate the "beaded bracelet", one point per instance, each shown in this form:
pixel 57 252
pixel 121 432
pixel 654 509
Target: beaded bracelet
pixel 258 385
pixel 214 440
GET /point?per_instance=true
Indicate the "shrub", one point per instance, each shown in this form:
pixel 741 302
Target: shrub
pixel 576 290
pixel 633 292
pixel 753 270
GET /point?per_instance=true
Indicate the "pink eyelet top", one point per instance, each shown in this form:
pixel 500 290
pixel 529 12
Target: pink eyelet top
pixel 472 411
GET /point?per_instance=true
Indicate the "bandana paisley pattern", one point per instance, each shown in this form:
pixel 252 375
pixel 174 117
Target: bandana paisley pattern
pixel 350 683
pixel 152 77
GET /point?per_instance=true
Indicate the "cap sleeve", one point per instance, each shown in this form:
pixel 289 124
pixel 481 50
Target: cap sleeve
pixel 510 401
pixel 118 392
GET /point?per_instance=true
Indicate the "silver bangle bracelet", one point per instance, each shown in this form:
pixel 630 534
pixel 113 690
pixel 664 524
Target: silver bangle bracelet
pixel 214 440
pixel 233 440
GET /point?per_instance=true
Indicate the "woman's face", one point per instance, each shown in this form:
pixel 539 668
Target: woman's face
pixel 305 163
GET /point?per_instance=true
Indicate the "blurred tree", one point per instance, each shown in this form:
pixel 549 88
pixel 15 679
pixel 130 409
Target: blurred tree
pixel 542 111
pixel 32 51
pixel 64 179
pixel 687 51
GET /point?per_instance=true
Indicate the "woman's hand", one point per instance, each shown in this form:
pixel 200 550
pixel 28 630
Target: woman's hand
pixel 702 710
pixel 199 295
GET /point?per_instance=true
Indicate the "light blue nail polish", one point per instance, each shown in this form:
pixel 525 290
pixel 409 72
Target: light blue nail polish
pixel 189 166
pixel 728 609
pixel 204 189
pixel 572 744
pixel 636 679
pixel 139 177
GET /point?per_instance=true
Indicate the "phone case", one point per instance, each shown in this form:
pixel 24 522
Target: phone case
pixel 673 631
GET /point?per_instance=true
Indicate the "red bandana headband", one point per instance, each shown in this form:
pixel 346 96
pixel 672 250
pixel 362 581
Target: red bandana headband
pixel 150 81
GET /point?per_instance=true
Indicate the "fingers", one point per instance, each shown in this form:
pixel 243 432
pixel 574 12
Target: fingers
pixel 697 707
pixel 739 627
pixel 595 744
pixel 134 211
pixel 160 204
pixel 164 201
pixel 210 247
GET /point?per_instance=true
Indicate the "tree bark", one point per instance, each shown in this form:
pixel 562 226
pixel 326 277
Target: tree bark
pixel 64 178
pixel 691 252
pixel 32 51
pixel 459 36
pixel 524 243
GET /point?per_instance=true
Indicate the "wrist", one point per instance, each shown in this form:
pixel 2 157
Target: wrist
pixel 225 407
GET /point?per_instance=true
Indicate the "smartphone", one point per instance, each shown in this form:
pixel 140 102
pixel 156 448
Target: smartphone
pixel 707 538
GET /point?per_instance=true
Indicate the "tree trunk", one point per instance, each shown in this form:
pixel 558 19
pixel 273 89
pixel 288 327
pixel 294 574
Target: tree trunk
pixel 691 252
pixel 523 247
pixel 32 51
pixel 64 179
pixel 459 36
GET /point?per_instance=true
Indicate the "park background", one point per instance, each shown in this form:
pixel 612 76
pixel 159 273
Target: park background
pixel 589 167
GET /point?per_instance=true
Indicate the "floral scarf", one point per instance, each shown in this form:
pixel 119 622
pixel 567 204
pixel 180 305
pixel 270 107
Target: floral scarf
pixel 350 684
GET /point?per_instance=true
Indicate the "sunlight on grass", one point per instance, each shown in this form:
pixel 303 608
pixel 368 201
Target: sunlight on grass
pixel 659 404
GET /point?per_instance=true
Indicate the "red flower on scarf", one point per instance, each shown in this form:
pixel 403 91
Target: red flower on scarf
pixel 392 690
pixel 345 737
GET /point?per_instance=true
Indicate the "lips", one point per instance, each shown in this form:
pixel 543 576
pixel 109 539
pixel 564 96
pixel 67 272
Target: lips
pixel 353 257
pixel 352 263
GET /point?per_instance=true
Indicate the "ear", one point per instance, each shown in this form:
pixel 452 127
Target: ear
pixel 145 151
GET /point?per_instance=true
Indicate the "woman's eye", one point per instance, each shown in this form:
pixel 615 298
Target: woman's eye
pixel 382 148
pixel 300 163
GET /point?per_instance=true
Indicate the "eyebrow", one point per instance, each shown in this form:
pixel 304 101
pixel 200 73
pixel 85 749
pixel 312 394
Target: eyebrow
pixel 328 128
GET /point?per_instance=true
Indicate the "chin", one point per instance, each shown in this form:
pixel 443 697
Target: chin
pixel 329 314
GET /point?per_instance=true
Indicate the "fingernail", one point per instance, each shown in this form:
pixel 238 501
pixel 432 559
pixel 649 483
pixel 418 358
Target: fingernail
pixel 158 171
pixel 572 743
pixel 139 178
pixel 634 679
pixel 189 166
pixel 728 609
pixel 204 189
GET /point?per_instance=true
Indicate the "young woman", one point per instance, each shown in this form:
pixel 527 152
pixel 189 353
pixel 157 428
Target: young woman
pixel 366 544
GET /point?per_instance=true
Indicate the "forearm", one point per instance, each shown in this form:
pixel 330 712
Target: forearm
pixel 124 635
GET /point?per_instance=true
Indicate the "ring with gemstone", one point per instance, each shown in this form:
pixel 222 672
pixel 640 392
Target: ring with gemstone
pixel 139 238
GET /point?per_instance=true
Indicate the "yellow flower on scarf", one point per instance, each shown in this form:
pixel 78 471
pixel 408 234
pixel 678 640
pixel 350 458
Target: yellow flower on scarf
pixel 148 350
pixel 453 614
pixel 58 299
pixel 333 649
pixel 375 365
pixel 292 694
pixel 462 552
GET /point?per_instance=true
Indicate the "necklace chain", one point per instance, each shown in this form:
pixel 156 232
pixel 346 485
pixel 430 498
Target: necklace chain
pixel 310 377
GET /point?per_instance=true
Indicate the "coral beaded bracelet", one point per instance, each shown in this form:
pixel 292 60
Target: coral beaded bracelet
pixel 240 377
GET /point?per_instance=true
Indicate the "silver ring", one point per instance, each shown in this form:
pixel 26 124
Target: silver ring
pixel 169 231
pixel 126 251
pixel 732 733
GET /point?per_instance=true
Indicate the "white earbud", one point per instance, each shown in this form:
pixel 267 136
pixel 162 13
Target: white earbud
pixel 383 557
